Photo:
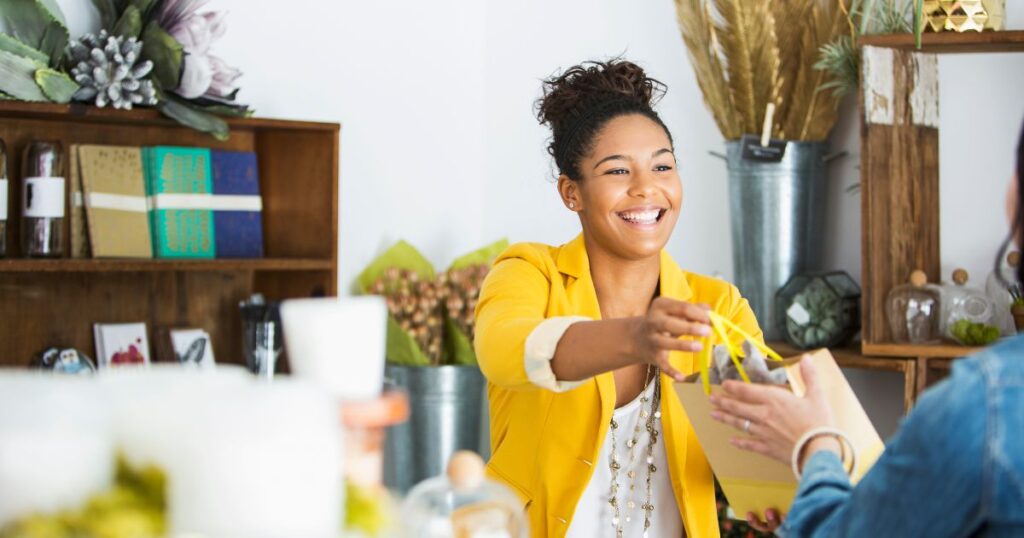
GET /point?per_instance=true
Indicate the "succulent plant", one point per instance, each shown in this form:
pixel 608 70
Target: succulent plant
pixel 109 71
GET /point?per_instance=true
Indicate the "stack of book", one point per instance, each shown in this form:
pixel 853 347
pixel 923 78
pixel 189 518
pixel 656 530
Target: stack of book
pixel 164 202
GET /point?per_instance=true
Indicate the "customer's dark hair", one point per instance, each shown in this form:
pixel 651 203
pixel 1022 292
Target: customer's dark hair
pixel 582 99
pixel 1017 222
pixel 1018 218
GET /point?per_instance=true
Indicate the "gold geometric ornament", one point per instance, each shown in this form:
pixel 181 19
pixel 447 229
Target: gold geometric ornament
pixel 963 15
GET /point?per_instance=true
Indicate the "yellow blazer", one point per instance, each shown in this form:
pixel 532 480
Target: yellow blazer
pixel 544 443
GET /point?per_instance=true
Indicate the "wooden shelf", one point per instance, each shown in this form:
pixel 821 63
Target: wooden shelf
pixel 948 351
pixel 46 302
pixel 851 357
pixel 129 265
pixel 952 42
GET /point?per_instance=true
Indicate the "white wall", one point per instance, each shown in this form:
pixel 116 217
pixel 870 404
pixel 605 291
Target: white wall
pixel 439 144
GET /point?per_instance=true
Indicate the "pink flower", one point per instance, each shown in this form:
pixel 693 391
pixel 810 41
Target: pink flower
pixel 202 74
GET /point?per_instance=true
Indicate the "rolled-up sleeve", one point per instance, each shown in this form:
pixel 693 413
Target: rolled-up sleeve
pixel 515 341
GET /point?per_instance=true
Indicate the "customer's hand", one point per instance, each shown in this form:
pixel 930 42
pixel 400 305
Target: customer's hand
pixel 773 417
pixel 772 520
pixel 657 333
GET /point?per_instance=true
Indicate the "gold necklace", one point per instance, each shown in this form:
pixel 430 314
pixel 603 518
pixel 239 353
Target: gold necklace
pixel 650 416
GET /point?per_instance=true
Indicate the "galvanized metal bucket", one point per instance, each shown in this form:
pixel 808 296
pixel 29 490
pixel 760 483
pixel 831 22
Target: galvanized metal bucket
pixel 777 214
pixel 448 412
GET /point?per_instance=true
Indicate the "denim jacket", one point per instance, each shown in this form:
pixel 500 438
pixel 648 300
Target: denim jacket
pixel 954 468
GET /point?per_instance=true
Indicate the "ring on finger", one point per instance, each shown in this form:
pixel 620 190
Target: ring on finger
pixel 746 426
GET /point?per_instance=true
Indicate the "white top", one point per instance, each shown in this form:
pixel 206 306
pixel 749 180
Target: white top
pixel 594 515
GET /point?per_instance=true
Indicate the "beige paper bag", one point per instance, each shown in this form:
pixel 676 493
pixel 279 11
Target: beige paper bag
pixel 754 483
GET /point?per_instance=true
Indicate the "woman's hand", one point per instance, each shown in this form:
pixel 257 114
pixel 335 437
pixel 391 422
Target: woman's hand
pixel 657 333
pixel 773 417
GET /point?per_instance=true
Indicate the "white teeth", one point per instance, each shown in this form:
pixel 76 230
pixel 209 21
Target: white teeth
pixel 642 217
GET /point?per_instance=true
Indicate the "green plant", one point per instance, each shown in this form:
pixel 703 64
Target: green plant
pixel 32 54
pixel 189 85
pixel 970 333
pixel 840 58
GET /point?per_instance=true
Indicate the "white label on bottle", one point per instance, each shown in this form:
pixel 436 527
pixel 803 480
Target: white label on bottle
pixel 3 199
pixel 798 314
pixel 43 197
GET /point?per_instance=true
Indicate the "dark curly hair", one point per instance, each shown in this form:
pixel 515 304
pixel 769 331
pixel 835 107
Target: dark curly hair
pixel 580 101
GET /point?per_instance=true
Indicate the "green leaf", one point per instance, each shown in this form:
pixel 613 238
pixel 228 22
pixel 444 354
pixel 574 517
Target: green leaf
pixel 12 44
pixel 39 24
pixel 130 23
pixel 403 256
pixel 17 77
pixel 5 97
pixel 54 43
pixel 481 256
pixel 57 86
pixel 237 111
pixel 108 13
pixel 402 348
pixel 189 116
pixel 460 349
pixel 166 54
pixel 144 7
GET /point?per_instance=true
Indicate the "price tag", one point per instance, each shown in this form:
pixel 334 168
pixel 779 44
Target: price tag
pixel 798 314
pixel 3 199
pixel 43 197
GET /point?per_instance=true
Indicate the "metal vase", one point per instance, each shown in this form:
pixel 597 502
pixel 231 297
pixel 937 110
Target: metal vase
pixel 777 215
pixel 448 412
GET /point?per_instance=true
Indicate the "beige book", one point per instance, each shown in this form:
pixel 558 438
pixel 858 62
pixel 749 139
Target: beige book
pixel 113 188
pixel 79 239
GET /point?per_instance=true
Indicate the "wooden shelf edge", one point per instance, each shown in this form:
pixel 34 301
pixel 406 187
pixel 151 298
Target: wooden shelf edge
pixel 851 357
pixel 67 265
pixel 141 116
pixel 952 42
pixel 948 351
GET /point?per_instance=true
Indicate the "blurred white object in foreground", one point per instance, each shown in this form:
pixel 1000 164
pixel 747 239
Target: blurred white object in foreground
pixel 338 342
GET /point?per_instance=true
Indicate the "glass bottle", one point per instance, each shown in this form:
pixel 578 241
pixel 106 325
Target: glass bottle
pixel 3 199
pixel 1005 291
pixel 914 310
pixel 463 503
pixel 964 306
pixel 43 200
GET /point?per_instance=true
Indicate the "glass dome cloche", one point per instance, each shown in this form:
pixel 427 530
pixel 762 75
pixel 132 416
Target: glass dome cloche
pixel 817 310
pixel 914 310
pixel 463 503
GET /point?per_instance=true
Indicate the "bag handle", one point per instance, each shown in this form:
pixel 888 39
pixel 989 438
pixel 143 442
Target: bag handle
pixel 720 328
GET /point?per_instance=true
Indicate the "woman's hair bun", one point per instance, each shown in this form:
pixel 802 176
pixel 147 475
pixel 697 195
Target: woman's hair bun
pixel 579 101
pixel 585 85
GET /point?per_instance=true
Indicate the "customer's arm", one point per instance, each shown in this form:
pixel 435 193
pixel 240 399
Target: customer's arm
pixel 927 483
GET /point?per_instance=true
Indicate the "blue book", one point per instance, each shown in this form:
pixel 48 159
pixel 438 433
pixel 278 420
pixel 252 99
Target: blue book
pixel 237 215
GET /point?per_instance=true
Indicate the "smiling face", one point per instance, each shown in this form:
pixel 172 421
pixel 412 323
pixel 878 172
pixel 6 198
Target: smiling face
pixel 629 195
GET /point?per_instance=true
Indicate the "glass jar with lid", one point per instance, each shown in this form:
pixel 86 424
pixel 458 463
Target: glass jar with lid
pixel 463 503
pixel 1005 291
pixel 914 310
pixel 968 315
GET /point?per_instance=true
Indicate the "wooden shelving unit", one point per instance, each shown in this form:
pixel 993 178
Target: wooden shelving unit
pixel 952 42
pixel 117 265
pixel 852 357
pixel 899 107
pixel 45 302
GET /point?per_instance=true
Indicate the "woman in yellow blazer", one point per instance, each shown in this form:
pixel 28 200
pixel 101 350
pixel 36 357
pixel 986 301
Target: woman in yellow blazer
pixel 580 343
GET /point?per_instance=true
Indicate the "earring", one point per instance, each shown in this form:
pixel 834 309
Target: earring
pixel 572 205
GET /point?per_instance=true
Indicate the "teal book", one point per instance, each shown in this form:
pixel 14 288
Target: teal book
pixel 179 185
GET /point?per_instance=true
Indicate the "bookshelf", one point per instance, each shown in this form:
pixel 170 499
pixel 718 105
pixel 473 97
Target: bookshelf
pixel 46 302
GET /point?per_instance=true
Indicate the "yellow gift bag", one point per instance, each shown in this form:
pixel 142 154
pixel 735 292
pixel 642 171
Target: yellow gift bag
pixel 752 482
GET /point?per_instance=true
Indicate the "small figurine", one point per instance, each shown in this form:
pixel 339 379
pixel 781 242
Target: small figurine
pixel 64 361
